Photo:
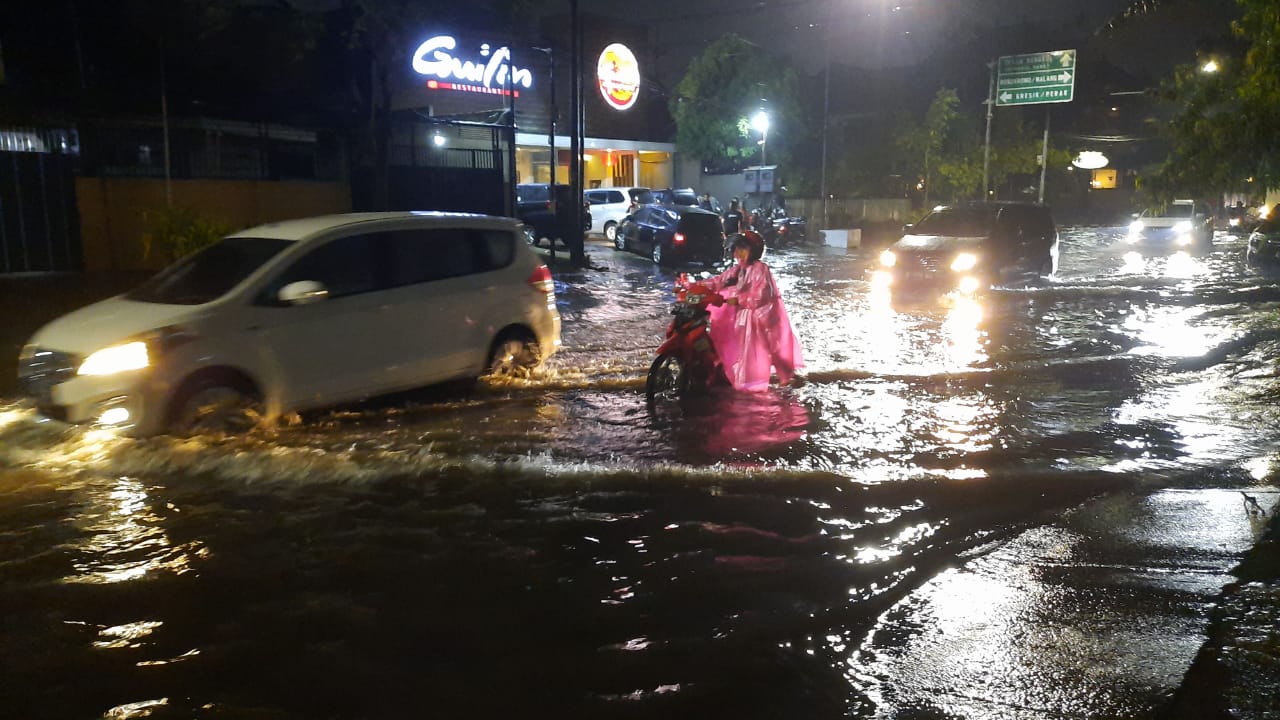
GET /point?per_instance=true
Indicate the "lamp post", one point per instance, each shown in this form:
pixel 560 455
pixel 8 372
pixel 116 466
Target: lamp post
pixel 760 123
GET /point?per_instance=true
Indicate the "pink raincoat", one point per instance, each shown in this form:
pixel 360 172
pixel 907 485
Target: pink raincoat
pixel 754 336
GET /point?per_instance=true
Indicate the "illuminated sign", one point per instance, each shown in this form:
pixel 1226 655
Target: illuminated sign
pixel 1090 160
pixel 618 74
pixel 435 59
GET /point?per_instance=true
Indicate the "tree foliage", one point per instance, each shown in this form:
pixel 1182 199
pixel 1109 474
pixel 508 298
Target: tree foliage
pixel 922 142
pixel 1226 131
pixel 945 149
pixel 723 87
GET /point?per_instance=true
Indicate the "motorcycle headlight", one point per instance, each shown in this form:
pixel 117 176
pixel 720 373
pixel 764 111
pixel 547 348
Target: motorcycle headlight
pixel 1136 226
pixel 1183 226
pixel 964 261
pixel 888 259
pixel 116 359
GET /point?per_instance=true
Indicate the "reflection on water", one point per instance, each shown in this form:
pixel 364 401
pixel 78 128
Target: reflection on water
pixel 122 539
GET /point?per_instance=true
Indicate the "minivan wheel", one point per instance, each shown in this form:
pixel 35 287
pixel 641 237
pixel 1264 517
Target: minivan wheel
pixel 657 252
pixel 620 240
pixel 530 236
pixel 514 355
pixel 216 406
pixel 611 231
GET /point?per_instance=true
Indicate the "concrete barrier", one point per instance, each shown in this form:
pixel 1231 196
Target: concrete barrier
pixel 843 238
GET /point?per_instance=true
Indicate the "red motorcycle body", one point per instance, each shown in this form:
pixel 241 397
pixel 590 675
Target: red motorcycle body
pixel 687 360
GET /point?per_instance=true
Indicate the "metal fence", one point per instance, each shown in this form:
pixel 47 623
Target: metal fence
pixel 39 224
pixel 187 148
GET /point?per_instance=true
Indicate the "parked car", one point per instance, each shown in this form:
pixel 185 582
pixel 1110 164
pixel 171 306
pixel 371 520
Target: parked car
pixel 1264 244
pixel 610 205
pixel 536 210
pixel 670 196
pixel 298 315
pixel 673 234
pixel 1182 224
pixel 969 246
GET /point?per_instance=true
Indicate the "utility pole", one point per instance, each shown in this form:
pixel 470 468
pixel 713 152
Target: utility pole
pixel 577 251
pixel 986 148
pixel 1044 153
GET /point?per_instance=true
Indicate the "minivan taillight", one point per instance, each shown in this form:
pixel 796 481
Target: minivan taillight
pixel 541 281
pixel 678 239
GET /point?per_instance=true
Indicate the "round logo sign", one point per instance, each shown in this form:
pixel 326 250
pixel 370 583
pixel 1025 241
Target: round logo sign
pixel 619 76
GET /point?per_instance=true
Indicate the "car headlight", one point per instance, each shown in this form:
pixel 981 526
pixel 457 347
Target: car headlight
pixel 964 261
pixel 116 359
pixel 1136 227
pixel 1183 226
pixel 888 259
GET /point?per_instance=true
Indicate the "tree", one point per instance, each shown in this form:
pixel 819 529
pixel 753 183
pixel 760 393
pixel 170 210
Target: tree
pixel 1224 132
pixel 923 142
pixel 723 88
pixel 946 149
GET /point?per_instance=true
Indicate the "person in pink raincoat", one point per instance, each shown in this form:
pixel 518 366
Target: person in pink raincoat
pixel 751 330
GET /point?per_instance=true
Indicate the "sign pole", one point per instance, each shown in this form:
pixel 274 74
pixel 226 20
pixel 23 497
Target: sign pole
pixel 1044 153
pixel 986 148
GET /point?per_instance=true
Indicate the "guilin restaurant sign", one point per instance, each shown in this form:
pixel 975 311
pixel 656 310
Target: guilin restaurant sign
pixel 486 73
pixel 618 75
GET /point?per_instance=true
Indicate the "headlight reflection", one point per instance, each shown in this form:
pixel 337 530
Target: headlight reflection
pixel 122 539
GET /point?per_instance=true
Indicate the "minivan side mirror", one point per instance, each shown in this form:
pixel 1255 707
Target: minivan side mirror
pixel 303 292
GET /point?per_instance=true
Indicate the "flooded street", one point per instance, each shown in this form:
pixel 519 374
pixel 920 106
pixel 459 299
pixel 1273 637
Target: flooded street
pixel 1018 506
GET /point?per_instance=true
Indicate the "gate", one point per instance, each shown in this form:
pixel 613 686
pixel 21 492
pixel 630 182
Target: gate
pixel 440 164
pixel 39 221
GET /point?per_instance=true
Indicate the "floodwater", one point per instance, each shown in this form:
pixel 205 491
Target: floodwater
pixel 1015 506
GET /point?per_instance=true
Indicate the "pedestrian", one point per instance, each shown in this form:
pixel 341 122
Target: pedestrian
pixel 704 201
pixel 751 330
pixel 733 218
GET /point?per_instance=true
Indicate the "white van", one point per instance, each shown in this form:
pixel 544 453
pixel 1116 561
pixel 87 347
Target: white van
pixel 610 205
pixel 297 315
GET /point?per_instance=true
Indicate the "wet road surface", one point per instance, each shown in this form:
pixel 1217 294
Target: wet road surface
pixel 1019 506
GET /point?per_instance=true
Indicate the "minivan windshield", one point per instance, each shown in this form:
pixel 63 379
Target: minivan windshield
pixel 209 274
pixel 956 222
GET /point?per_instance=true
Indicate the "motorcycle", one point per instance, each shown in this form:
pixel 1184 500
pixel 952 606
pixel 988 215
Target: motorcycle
pixel 782 230
pixel 687 360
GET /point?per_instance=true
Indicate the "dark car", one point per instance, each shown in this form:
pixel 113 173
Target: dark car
pixel 969 246
pixel 673 234
pixel 684 197
pixel 534 209
pixel 1264 244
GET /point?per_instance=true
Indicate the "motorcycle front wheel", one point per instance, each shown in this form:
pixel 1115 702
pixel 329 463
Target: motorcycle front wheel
pixel 668 379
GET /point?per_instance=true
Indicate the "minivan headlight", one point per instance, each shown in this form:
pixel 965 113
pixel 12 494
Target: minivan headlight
pixel 964 261
pixel 888 259
pixel 1183 226
pixel 116 359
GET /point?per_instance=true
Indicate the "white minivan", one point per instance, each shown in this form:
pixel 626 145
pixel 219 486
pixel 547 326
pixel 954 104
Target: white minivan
pixel 610 205
pixel 298 315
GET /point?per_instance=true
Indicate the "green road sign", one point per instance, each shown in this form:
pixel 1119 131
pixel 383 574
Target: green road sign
pixel 1047 77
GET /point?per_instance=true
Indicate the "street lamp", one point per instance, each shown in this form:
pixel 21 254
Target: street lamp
pixel 760 123
pixel 1211 66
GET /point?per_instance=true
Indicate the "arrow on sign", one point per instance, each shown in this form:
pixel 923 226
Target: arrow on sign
pixel 1065 77
pixel 1005 97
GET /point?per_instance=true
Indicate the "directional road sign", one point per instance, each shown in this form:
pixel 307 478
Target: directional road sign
pixel 1047 77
